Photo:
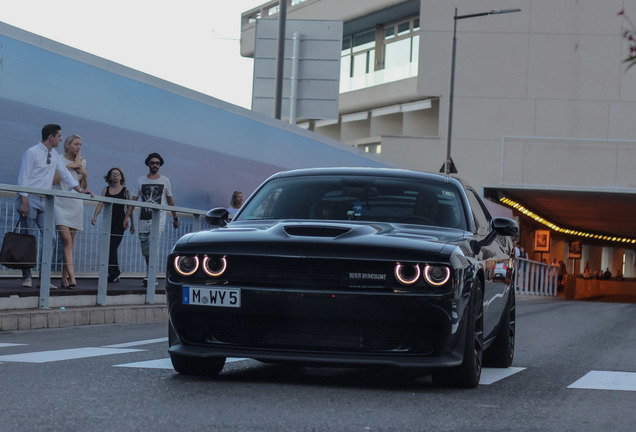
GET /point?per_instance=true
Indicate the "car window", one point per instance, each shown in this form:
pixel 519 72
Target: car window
pixel 480 213
pixel 358 198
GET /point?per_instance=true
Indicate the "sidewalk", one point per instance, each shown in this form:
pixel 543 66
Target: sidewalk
pixel 125 303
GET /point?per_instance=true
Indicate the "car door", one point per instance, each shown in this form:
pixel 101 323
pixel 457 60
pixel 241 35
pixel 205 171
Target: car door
pixel 489 254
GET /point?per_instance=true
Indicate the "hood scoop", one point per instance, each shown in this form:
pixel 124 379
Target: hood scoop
pixel 315 231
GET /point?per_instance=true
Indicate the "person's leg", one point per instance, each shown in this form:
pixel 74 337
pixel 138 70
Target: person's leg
pixel 67 235
pixel 70 270
pixel 113 261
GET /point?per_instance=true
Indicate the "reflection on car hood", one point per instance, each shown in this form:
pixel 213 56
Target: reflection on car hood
pixel 320 238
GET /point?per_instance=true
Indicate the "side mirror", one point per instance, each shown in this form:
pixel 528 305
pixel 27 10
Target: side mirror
pixel 217 217
pixel 505 227
pixel 498 226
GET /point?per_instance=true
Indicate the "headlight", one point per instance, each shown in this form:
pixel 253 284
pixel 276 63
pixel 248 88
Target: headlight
pixel 436 275
pixel 214 266
pixel 186 265
pixel 407 274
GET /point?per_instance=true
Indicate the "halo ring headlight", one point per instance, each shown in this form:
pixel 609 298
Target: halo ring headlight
pixel 186 265
pixel 436 275
pixel 407 274
pixel 214 266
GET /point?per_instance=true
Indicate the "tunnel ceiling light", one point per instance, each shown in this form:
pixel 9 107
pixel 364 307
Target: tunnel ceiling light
pixel 568 231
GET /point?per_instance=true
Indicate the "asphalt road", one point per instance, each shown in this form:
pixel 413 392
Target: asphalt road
pixel 574 370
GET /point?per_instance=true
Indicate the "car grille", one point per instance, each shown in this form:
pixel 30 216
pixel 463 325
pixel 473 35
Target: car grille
pixel 313 273
pixel 314 335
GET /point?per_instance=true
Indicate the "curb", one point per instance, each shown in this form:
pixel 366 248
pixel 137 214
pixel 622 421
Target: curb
pixel 56 318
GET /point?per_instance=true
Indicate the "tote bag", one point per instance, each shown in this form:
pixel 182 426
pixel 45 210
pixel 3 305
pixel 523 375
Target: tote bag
pixel 19 251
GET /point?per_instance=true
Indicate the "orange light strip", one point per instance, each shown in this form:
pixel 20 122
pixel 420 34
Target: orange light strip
pixel 604 237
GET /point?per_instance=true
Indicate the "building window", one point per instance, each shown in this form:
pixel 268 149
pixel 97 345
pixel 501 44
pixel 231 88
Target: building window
pixel 362 67
pixel 401 43
pixel 358 56
pixel 375 148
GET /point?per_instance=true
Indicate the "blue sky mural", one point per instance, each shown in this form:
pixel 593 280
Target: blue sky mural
pixel 211 148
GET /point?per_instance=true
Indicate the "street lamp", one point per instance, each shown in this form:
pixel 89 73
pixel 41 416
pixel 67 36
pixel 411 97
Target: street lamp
pixel 447 163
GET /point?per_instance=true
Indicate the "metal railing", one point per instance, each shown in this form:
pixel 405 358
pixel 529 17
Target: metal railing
pixel 535 278
pixel 90 255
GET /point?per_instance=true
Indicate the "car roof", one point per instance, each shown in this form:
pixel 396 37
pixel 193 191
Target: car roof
pixel 366 171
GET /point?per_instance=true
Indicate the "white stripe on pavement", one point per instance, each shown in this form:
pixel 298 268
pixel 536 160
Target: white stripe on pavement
pixel 491 375
pixel 606 380
pixel 67 354
pixel 138 343
pixel 6 345
pixel 164 363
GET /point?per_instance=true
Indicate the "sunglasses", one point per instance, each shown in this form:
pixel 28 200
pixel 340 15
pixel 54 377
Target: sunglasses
pixel 154 163
pixel 48 158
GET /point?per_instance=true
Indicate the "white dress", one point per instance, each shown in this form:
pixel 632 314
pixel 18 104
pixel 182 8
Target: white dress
pixel 68 211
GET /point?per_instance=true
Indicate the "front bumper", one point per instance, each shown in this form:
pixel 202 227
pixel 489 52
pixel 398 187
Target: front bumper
pixel 286 325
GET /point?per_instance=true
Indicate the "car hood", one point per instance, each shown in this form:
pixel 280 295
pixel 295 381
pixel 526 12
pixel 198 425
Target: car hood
pixel 325 239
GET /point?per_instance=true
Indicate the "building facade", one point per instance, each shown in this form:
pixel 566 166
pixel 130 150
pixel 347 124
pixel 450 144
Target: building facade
pixel 543 108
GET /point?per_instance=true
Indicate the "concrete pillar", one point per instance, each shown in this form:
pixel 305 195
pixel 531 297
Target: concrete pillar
pixel 630 262
pixel 607 259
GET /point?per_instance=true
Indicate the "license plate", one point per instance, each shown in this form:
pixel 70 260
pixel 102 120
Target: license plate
pixel 208 296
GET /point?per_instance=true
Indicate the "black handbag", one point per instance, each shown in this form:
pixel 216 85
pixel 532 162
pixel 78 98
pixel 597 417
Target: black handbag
pixel 19 251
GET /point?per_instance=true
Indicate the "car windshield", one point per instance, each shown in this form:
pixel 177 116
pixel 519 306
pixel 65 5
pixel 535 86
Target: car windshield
pixel 377 199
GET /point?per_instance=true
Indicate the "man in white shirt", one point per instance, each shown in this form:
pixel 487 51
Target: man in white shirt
pixel 39 165
pixel 156 189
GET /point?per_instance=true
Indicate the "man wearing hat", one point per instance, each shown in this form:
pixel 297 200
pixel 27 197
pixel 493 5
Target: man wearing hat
pixel 151 188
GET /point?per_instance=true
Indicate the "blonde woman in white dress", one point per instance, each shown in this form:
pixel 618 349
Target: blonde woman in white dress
pixel 69 212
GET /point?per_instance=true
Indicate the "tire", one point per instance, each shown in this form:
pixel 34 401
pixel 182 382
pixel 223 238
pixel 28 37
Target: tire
pixel 501 353
pixel 467 374
pixel 210 367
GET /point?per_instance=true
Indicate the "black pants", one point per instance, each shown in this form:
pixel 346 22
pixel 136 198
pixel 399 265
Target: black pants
pixel 113 262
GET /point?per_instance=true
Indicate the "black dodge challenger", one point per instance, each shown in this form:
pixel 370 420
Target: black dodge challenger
pixel 347 266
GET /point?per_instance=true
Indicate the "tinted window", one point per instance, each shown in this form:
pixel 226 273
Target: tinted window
pixel 358 198
pixel 480 213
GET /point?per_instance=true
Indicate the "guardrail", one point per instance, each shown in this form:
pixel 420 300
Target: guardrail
pixel 92 244
pixel 535 278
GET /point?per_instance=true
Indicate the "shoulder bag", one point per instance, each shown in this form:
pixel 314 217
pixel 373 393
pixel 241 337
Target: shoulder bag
pixel 19 251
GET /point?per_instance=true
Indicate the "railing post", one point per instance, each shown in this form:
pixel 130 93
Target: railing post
pixel 102 281
pixel 47 252
pixel 196 222
pixel 153 258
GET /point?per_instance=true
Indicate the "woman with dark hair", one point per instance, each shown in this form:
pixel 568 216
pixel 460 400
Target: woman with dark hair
pixel 116 189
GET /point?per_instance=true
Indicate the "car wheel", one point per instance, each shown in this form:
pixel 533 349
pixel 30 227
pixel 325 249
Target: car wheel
pixel 467 374
pixel 502 351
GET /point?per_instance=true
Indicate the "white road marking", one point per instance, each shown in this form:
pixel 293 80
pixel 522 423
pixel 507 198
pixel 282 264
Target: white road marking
pixel 492 375
pixel 606 380
pixel 5 345
pixel 67 354
pixel 164 363
pixel 138 343
pixel 150 364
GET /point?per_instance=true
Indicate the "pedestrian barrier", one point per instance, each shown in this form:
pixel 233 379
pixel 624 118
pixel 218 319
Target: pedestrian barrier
pixel 90 255
pixel 535 278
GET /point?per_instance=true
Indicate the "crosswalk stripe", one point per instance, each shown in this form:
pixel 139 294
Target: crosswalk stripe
pixel 164 363
pixel 6 345
pixel 138 343
pixel 606 380
pixel 67 354
pixel 491 375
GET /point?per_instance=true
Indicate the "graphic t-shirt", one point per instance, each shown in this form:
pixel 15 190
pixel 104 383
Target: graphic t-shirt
pixel 154 192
